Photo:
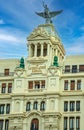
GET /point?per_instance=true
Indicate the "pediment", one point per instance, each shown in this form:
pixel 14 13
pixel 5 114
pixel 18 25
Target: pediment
pixel 38 33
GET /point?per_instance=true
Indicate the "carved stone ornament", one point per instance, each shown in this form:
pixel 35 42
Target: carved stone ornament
pixel 38 32
pixel 19 72
pixel 52 71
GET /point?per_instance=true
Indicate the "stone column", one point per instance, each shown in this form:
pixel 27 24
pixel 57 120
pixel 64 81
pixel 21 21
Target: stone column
pixel 35 52
pixel 48 49
pixel 29 49
pixel 41 49
pixel 56 51
pixel 21 106
pixel 12 106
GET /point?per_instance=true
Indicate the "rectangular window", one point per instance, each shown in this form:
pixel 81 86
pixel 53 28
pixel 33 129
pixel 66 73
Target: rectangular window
pixel 9 87
pixel 67 68
pixel 35 105
pixel 72 85
pixel 78 84
pixel 77 123
pixel 6 124
pixel 6 72
pixel 43 84
pixel 74 68
pixel 37 84
pixel 65 123
pixel 72 105
pixel 71 123
pixel 65 106
pixel 7 108
pixel 3 88
pixel 81 68
pixel 2 108
pixel 30 86
pixel 28 106
pixel 1 124
pixel 66 85
pixel 77 105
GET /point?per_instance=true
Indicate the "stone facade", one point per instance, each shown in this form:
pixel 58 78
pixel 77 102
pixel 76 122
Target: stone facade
pixel 40 95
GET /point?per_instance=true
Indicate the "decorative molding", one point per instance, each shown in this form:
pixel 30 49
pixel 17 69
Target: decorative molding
pixel 53 71
pixel 19 72
pixel 38 32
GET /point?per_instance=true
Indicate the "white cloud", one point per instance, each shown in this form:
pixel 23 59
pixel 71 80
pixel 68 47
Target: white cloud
pixel 77 47
pixel 1 21
pixel 6 37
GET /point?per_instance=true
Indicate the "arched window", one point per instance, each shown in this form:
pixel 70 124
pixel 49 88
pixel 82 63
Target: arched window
pixel 35 105
pixel 34 124
pixel 42 106
pixel 28 106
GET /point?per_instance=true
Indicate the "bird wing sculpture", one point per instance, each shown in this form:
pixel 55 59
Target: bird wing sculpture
pixel 47 14
pixel 41 14
pixel 54 13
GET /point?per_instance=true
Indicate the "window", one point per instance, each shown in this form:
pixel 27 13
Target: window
pixel 37 84
pixel 2 108
pixel 72 105
pixel 1 124
pixel 74 68
pixel 38 50
pixel 72 86
pixel 35 105
pixel 81 68
pixel 45 49
pixel 30 84
pixel 7 108
pixel 43 84
pixel 65 123
pixel 77 105
pixel 3 88
pixel 28 106
pixel 65 106
pixel 6 124
pixel 9 87
pixel 71 123
pixel 6 72
pixel 66 85
pixel 77 123
pixel 67 68
pixel 42 106
pixel 78 84
pixel 34 124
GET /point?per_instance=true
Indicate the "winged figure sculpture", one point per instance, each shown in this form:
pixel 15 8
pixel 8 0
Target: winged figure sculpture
pixel 47 14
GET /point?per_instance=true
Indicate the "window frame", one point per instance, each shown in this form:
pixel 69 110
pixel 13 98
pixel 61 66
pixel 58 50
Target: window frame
pixel 65 106
pixel 72 105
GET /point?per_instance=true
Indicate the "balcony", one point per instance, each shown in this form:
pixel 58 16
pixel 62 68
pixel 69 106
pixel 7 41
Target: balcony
pixel 5 75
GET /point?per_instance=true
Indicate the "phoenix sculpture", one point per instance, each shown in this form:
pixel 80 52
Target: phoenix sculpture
pixel 47 15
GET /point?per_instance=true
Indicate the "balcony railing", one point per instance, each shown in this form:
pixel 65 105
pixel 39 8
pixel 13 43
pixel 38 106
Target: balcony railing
pixel 72 71
pixel 3 75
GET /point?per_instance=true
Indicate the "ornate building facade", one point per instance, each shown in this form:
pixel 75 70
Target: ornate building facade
pixel 45 91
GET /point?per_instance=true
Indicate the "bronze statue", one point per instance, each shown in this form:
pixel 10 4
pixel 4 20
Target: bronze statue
pixel 47 14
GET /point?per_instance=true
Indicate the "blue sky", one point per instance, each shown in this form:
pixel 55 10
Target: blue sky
pixel 18 19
